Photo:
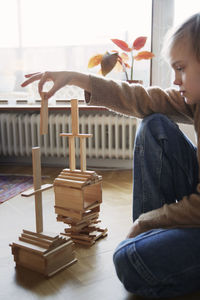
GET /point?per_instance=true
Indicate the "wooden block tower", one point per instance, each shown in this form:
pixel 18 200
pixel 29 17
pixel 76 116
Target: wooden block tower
pixel 38 250
pixel 78 192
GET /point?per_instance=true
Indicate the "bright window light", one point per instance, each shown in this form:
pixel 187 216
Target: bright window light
pixel 38 35
pixel 183 9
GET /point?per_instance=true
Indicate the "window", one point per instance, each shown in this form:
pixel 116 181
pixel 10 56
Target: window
pixel 38 35
pixel 166 14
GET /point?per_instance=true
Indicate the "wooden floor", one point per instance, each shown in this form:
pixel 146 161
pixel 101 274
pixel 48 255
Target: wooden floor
pixel 93 276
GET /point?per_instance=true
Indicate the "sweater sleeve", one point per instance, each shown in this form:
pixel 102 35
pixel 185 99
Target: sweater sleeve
pixel 185 213
pixel 135 100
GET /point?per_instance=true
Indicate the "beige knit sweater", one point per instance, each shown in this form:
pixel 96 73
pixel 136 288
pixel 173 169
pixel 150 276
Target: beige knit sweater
pixel 135 100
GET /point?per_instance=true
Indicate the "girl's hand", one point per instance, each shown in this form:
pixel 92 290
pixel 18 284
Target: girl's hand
pixel 135 230
pixel 60 79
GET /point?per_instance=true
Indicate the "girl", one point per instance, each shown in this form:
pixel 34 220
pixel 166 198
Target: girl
pixel 161 255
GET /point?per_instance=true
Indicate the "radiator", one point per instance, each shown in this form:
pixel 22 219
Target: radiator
pixel 113 136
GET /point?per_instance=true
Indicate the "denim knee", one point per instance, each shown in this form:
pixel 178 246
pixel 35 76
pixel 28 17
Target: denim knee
pixel 125 269
pixel 156 124
pixel 122 267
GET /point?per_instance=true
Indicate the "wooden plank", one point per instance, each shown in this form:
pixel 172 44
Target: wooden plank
pixel 45 235
pixel 77 215
pixel 79 171
pixel 69 198
pixel 92 193
pixel 75 116
pixel 32 192
pixel 36 162
pixel 43 115
pixel 33 242
pixel 68 244
pixel 83 154
pixel 72 157
pixel 33 248
pixel 30 260
pixel 67 265
pixel 72 178
pixel 82 242
pixel 76 175
pixel 69 183
pixel 36 238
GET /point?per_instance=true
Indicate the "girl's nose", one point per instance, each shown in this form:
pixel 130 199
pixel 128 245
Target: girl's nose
pixel 177 81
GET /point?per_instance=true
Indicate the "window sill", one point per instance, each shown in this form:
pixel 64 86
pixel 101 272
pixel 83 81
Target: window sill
pixel 22 105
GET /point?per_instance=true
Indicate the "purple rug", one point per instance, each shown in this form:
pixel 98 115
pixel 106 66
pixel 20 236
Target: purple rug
pixel 12 185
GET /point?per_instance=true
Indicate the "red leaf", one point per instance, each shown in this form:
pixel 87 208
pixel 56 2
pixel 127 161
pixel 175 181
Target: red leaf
pixel 139 42
pixel 95 60
pixel 121 44
pixel 144 55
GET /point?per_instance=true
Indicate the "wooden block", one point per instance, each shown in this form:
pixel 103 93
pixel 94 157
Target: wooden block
pixel 94 205
pixel 45 235
pixel 92 194
pixel 77 215
pixel 83 154
pixel 60 258
pixel 79 171
pixel 69 183
pixel 37 185
pixel 44 116
pixel 47 242
pixel 89 216
pixel 76 178
pixel 34 242
pixel 32 192
pixel 31 260
pixel 75 175
pixel 67 265
pixel 75 116
pixel 72 157
pixel 69 198
pixel 47 263
pixel 32 248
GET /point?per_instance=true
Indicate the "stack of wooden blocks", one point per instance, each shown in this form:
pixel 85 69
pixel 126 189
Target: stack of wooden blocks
pixel 78 196
pixel 40 251
pixel 45 254
pixel 78 193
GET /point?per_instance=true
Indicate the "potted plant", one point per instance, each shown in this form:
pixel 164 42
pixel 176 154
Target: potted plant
pixel 119 61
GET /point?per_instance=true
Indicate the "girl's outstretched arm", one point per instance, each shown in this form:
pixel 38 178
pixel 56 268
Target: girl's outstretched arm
pixel 59 79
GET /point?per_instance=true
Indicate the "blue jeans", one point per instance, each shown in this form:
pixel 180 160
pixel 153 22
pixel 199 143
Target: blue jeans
pixel 161 263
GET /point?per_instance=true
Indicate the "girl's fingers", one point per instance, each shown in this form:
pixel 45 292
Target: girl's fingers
pixel 32 79
pixel 44 78
pixel 32 74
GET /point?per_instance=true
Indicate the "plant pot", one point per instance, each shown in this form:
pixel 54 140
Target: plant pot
pixel 135 81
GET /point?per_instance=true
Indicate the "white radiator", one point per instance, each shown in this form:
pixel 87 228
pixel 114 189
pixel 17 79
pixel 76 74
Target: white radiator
pixel 113 135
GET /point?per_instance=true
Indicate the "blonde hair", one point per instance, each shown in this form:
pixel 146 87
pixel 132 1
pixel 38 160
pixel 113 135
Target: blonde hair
pixel 190 31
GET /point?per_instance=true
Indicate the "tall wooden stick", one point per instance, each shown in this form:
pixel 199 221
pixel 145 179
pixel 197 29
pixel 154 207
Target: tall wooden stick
pixel 72 154
pixel 83 154
pixel 37 185
pixel 43 115
pixel 75 116
pixel 75 134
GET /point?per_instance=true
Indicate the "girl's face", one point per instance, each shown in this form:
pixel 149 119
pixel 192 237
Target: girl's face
pixel 187 71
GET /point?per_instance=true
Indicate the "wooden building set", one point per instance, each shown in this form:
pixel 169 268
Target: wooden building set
pixel 38 250
pixel 78 192
pixel 78 195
